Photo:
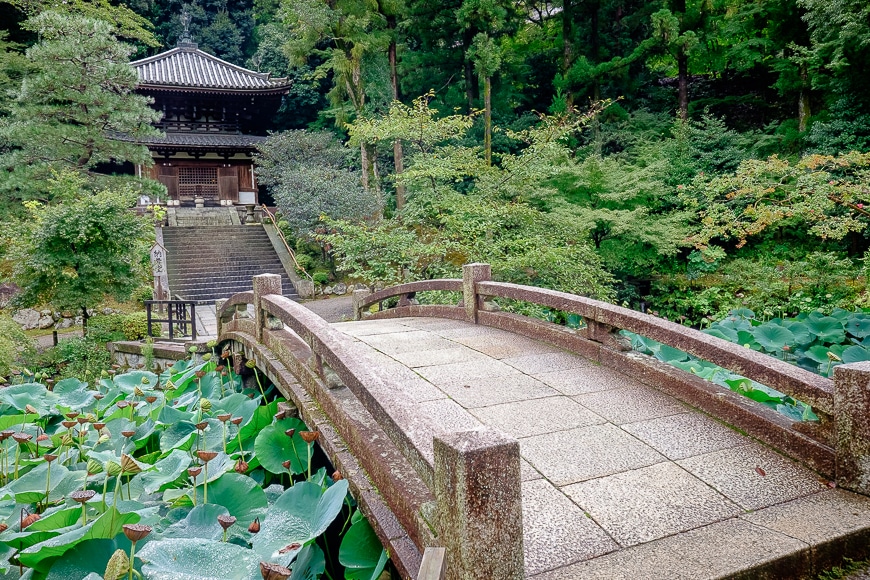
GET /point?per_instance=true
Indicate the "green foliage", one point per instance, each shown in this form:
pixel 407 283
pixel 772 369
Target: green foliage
pixel 309 175
pixel 823 193
pixel 14 344
pixel 81 251
pixel 772 286
pixel 75 101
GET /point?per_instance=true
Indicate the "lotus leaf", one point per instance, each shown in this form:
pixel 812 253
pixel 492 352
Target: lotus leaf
pixel 827 329
pixel 301 514
pixel 855 354
pixel 772 337
pixel 197 559
pixel 361 552
pixel 273 447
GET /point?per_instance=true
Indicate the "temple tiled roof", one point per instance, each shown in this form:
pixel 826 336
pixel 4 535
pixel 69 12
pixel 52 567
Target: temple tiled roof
pixel 204 140
pixel 187 67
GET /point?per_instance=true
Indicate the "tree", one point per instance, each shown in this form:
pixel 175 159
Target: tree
pixel 75 109
pixel 78 252
pixel 309 175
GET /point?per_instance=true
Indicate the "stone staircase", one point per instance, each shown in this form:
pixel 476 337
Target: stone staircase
pixel 208 262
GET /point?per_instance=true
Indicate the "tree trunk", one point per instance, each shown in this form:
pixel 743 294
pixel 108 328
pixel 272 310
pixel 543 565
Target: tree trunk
pixel 679 7
pixel 471 88
pixel 364 161
pixel 487 119
pixel 568 46
pixel 803 101
pixel 398 154
pixel 596 83
pixel 683 83
pixel 85 317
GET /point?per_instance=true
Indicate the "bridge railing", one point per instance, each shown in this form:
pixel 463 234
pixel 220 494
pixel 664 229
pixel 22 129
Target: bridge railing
pixel 834 444
pixel 473 476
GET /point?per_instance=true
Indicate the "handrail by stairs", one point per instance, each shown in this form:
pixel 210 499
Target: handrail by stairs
pixel 299 268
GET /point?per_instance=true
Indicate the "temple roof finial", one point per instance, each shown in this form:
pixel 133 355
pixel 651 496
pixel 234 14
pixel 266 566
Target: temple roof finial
pixel 185 40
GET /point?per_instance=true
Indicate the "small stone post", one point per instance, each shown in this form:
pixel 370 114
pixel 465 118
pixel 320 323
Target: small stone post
pixel 358 297
pixel 264 284
pixel 218 304
pixel 851 412
pixel 471 275
pixel 480 512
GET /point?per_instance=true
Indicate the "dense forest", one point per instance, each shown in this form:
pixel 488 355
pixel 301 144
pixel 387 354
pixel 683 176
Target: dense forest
pixel 680 156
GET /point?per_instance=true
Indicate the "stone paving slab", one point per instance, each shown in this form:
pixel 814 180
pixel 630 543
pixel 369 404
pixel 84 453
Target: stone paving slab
pixel 589 379
pixel 650 503
pixel 621 406
pixel 558 531
pixel 618 479
pixel 719 550
pixel 685 435
pixel 537 416
pixel 737 474
pixel 575 455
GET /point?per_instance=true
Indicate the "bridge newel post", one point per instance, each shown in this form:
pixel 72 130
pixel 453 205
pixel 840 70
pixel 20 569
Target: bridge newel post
pixel 471 275
pixel 480 512
pixel 264 284
pixel 218 305
pixel 358 297
pixel 852 429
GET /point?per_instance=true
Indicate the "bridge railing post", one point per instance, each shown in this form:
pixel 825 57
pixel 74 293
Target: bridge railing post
pixel 218 306
pixel 358 297
pixel 852 438
pixel 264 284
pixel 471 275
pixel 480 513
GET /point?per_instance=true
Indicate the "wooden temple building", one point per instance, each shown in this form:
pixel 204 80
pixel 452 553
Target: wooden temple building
pixel 214 114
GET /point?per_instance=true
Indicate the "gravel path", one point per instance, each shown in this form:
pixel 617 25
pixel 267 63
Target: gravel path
pixel 338 309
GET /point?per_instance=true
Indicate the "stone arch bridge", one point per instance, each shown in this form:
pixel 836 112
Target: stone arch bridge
pixel 485 444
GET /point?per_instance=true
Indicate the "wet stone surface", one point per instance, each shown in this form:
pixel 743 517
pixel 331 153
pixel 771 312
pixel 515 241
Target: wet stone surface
pixel 618 480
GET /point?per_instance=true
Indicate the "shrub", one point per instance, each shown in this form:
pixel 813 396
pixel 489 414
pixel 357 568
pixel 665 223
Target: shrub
pixel 135 326
pixel 321 277
pixel 77 357
pixel 14 344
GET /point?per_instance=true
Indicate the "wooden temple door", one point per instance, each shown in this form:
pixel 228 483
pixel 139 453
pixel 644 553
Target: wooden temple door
pixel 168 176
pixel 228 185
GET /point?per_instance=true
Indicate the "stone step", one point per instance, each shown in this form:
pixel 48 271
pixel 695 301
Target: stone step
pixel 206 262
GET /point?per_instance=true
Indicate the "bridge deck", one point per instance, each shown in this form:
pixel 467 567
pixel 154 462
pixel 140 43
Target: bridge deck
pixel 619 480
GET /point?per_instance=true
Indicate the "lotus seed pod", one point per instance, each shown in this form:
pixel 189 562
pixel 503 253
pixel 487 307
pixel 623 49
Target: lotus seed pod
pixel 136 532
pixel 83 496
pixel 99 396
pixel 150 399
pixel 250 364
pixel 241 466
pixel 199 374
pixel 49 457
pixel 118 566
pixel 192 349
pixel 225 521
pixel 138 392
pixel 254 528
pixel 211 343
pixel 129 465
pixel 72 415
pixel 271 571
pixel 104 373
pixel 82 420
pixel 206 357
pixel 122 404
pixel 68 424
pixel 237 420
pixel 286 464
pixel 309 436
pixel 22 438
pixel 224 417
pixel 91 418
pixel 99 425
pixel 29 519
pixel 205 405
pixel 94 467
pixel 194 471
pixel 128 433
pixel 202 425
pixel 30 409
pixel 337 476
pixel 66 439
pixel 113 468
pixel 290 432
pixel 206 455
pixel 42 438
pixel 3 528
pixel 145 381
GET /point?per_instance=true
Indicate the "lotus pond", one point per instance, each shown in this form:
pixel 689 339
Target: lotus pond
pixel 186 475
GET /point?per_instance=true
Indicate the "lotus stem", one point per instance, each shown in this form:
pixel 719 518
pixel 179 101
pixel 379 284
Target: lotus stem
pixel 224 425
pixel 309 460
pixel 17 458
pixel 132 554
pixel 204 486
pixel 259 384
pixel 47 481
pixel 105 487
